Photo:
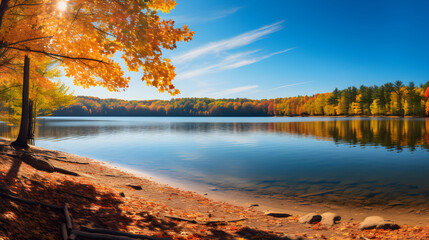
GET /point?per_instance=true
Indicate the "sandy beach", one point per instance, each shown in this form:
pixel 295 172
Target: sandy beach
pixel 106 196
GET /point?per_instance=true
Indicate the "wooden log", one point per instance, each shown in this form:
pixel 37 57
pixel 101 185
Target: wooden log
pixel 69 223
pixel 64 231
pixel 119 233
pixel 30 202
pixel 63 171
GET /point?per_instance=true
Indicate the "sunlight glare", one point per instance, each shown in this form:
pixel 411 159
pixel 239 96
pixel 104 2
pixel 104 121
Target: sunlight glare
pixel 62 5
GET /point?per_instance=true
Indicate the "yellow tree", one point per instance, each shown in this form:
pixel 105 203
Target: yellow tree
pixel 426 95
pixel 85 35
pixel 45 94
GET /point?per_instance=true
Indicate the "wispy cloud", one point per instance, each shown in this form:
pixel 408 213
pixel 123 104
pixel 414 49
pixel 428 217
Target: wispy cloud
pixel 239 55
pixel 231 43
pixel 245 62
pixel 207 18
pixel 290 85
pixel 230 91
pixel 231 62
pixel 198 72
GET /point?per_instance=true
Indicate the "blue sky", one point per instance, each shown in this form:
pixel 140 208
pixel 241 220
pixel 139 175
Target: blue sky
pixel 268 49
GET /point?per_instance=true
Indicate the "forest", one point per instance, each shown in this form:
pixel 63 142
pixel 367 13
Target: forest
pixel 390 99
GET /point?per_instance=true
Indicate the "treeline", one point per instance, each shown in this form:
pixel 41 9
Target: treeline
pixel 92 106
pixel 390 99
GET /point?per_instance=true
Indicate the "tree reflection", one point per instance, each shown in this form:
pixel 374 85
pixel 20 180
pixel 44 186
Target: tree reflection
pixel 395 134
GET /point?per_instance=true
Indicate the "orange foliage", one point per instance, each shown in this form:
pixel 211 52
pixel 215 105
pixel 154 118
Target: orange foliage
pixel 86 35
pixel 427 93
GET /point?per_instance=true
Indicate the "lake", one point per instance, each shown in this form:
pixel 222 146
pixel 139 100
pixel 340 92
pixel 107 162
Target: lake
pixel 359 161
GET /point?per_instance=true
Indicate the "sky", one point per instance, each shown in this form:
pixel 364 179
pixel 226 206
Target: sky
pixel 283 48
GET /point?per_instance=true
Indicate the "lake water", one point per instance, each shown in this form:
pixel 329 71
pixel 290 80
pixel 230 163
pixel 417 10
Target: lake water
pixel 363 161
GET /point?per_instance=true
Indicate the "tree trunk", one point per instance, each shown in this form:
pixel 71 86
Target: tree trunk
pixel 22 139
pixel 3 8
pixel 30 120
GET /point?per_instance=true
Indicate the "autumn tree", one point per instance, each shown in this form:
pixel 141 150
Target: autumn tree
pixel 397 90
pixel 426 95
pixel 45 94
pixel 366 98
pixel 87 37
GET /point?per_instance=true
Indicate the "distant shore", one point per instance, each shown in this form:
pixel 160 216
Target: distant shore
pixel 137 192
pixel 321 116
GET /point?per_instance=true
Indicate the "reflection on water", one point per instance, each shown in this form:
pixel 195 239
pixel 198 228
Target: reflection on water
pixel 389 133
pixel 350 161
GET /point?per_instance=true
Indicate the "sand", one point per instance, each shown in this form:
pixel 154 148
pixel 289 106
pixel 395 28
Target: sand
pixel 106 196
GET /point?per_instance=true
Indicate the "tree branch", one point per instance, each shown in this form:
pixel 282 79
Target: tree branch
pixel 102 31
pixel 27 40
pixel 55 55
pixel 29 4
pixel 13 86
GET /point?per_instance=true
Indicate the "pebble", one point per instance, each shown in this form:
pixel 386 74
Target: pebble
pixel 310 218
pixel 378 223
pixel 329 219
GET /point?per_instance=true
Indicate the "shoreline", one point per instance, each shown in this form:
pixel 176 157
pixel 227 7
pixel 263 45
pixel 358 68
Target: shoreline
pixel 162 198
pixel 291 206
pixel 294 206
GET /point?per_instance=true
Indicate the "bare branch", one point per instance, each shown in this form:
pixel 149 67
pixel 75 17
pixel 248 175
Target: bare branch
pixel 75 16
pixel 55 55
pixel 27 40
pixel 102 31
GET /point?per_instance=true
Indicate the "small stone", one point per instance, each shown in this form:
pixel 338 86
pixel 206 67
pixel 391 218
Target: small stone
pixel 278 215
pixel 329 219
pixel 377 222
pixel 122 194
pixel 254 205
pixel 136 187
pixel 310 218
